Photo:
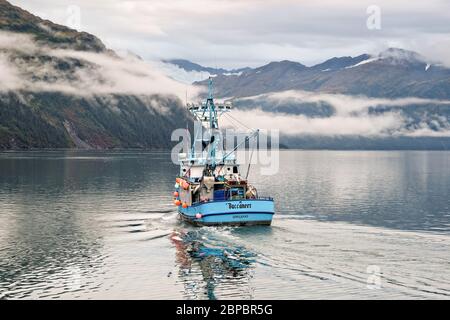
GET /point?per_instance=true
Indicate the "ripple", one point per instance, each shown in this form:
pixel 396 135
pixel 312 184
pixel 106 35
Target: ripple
pixel 101 226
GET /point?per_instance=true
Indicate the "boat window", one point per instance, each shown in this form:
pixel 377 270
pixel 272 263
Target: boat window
pixel 236 193
pixel 235 169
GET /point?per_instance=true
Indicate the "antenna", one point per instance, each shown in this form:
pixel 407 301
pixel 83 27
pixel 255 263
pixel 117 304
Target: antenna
pixel 210 89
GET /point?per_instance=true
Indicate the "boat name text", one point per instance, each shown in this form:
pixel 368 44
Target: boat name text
pixel 240 205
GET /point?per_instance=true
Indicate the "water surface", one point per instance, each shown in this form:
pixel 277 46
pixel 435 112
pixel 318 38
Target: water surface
pixel 102 225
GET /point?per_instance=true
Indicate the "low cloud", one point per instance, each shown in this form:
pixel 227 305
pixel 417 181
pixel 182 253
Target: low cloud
pixel 28 66
pixel 17 42
pixel 181 75
pixel 351 116
pixel 367 125
pixel 9 77
pixel 343 104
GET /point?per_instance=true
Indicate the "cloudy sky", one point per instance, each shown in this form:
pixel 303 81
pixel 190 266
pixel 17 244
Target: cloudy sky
pixel 236 33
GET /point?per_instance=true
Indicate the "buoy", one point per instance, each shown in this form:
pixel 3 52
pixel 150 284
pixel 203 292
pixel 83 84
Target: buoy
pixel 198 215
pixel 177 185
pixel 177 180
pixel 176 194
pixel 185 185
pixel 177 202
pixel 184 205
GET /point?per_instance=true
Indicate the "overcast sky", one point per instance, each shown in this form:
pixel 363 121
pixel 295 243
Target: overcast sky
pixel 236 33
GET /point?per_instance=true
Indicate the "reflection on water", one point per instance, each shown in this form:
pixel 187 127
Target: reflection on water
pixel 102 225
pixel 216 262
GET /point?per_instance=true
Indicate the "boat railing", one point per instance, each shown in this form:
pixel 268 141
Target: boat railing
pixel 234 194
pixel 226 105
pixel 202 158
pixel 264 198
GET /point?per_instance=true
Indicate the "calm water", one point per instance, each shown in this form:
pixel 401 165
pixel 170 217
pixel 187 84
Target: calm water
pixel 348 225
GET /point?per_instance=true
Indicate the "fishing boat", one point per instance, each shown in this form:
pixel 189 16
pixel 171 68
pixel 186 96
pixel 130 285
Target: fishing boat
pixel 210 189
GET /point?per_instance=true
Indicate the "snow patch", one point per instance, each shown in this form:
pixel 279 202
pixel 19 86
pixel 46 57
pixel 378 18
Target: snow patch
pixel 232 73
pixel 362 62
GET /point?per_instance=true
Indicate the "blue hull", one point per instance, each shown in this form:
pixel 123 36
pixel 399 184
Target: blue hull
pixel 230 212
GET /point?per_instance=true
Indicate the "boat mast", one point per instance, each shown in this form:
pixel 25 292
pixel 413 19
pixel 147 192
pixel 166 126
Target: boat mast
pixel 213 125
pixel 208 114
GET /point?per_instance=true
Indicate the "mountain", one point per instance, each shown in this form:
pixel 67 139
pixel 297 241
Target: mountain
pixel 14 19
pixel 191 66
pixel 392 100
pixel 61 88
pixel 391 74
pixel 259 80
pixel 338 63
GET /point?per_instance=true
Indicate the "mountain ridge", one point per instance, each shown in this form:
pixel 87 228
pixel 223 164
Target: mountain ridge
pixel 15 19
pixel 192 66
pixel 392 73
pixel 65 96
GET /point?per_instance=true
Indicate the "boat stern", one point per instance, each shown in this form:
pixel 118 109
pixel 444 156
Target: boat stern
pixel 230 212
